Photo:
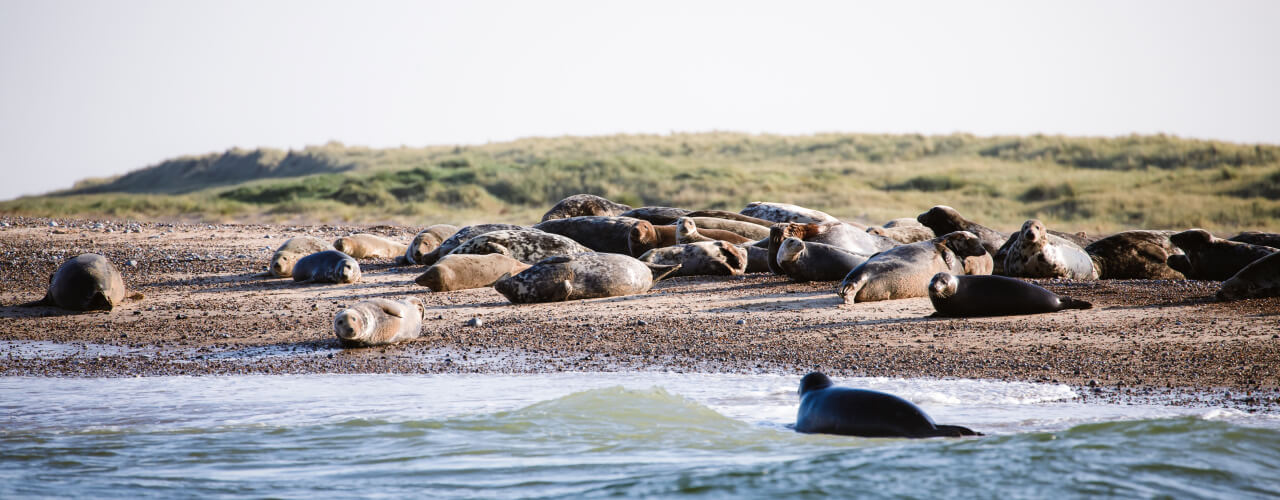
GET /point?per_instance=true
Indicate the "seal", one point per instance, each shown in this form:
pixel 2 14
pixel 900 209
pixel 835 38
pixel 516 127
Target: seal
pixel 1134 255
pixel 1258 238
pixel 669 235
pixel 658 216
pixel 904 234
pixel 811 261
pixel 369 246
pixel 525 245
pixel 713 258
pixel 757 256
pixel 837 234
pixel 1032 255
pixel 623 235
pixel 687 232
pixel 727 215
pixel 87 282
pixel 968 296
pixel 459 272
pixel 461 237
pixel 581 276
pixel 783 212
pixel 1261 278
pixel 826 409
pixel 294 248
pixel 579 205
pixel 904 271
pixel 1210 258
pixel 943 219
pixel 329 266
pixel 427 240
pixel 379 322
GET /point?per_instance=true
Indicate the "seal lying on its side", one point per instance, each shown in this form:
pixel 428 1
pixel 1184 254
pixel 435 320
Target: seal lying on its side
pixel 379 321
pixel 904 233
pixel 87 282
pixel 754 232
pixel 525 245
pixel 581 276
pixel 1136 254
pixel 369 246
pixel 903 272
pixel 623 235
pixel 427 240
pixel 709 258
pixel 811 261
pixel 966 296
pixel 294 248
pixel 329 266
pixel 784 212
pixel 580 205
pixel 1258 238
pixel 838 234
pixel 1258 279
pixel 463 271
pixel 461 237
pixel 827 409
pixel 1211 258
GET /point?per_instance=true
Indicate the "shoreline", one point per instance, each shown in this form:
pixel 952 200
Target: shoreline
pixel 205 313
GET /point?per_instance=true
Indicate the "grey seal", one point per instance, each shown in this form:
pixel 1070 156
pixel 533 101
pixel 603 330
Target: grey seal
pixel 379 322
pixel 461 236
pixel 87 282
pixel 1261 278
pixel 462 271
pixel 1033 255
pixel 784 212
pixel 525 245
pixel 427 240
pixel 329 266
pixel 623 235
pixel 1135 255
pixel 581 276
pixel 904 271
pixel 580 205
pixel 827 409
pixel 369 246
pixel 812 261
pixel 713 258
pixel 986 295
pixel 291 250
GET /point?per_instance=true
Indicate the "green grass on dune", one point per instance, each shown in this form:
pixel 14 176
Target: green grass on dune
pixel 1089 184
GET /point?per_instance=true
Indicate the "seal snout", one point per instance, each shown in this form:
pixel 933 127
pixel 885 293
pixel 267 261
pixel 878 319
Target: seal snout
pixel 348 325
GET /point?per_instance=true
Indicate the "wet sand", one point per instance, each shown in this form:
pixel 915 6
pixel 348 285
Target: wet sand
pixel 207 312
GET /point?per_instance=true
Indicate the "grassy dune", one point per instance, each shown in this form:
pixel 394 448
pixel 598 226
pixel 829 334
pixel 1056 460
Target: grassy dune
pixel 1089 184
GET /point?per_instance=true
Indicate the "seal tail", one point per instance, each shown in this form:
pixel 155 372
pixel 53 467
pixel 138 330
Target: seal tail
pixel 1070 303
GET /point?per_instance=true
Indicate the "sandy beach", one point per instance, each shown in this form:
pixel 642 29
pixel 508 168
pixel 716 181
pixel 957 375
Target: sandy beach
pixel 206 312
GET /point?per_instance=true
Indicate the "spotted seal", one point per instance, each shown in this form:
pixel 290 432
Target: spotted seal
pixel 461 236
pixel 1032 255
pixel 1207 257
pixel 281 265
pixel 1261 278
pixel 783 212
pixel 581 276
pixel 987 295
pixel 623 235
pixel 525 245
pixel 427 240
pixel 904 271
pixel 462 271
pixel 87 282
pixel 379 322
pixel 715 258
pixel 369 246
pixel 329 266
pixel 580 205
pixel 812 261
pixel 826 409
pixel 837 234
pixel 943 219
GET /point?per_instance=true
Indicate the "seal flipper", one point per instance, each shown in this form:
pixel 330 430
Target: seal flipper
pixel 391 310
pixel 1070 303
pixel 661 271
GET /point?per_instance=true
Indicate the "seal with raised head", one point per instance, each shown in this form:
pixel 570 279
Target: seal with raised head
pixel 1258 238
pixel 525 245
pixel 329 266
pixel 369 246
pixel 379 322
pixel 1137 254
pixel 687 232
pixel 838 234
pixel 87 282
pixel 826 409
pixel 463 271
pixel 1261 278
pixel 461 236
pixel 1033 255
pixel 784 212
pixel 427 240
pixel 580 205
pixel 969 296
pixel 1210 258
pixel 811 261
pixel 943 219
pixel 582 276
pixel 713 258
pixel 658 216
pixel 623 235
pixel 294 248
pixel 904 271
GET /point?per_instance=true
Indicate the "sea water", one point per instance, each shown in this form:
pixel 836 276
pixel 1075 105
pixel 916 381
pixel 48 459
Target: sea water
pixel 600 435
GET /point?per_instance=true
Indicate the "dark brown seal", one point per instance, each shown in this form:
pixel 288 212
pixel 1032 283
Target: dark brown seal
pixel 827 409
pixel 87 282
pixel 812 261
pixel 1258 279
pixel 1211 258
pixel 580 205
pixel 1258 238
pixel 623 235
pixel 1135 255
pixel 986 295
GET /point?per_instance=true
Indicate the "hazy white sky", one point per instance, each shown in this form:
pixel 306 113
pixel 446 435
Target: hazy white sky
pixel 97 88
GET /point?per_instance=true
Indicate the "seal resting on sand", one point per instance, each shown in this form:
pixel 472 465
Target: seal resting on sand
pixel 783 212
pixel 582 276
pixel 580 205
pixel 329 266
pixel 904 271
pixel 623 235
pixel 713 258
pixel 1209 258
pixel 294 248
pixel 369 246
pixel 379 321
pixel 827 409
pixel 461 236
pixel 1033 255
pixel 1258 279
pixel 811 261
pixel 87 282
pixel 427 240
pixel 985 295
pixel 525 245
pixel 463 271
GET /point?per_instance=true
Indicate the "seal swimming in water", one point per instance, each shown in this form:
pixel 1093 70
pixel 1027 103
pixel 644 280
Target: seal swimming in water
pixel 1135 255
pixel 461 236
pixel 525 245
pixel 379 322
pixel 783 212
pixel 369 246
pixel 711 258
pixel 427 240
pixel 1033 255
pixel 87 282
pixel 623 235
pixel 580 205
pixel 329 266
pixel 462 271
pixel 1261 278
pixel 294 248
pixel 826 409
pixel 1210 258
pixel 904 271
pixel 837 234
pixel 986 295
pixel 581 276
pixel 811 261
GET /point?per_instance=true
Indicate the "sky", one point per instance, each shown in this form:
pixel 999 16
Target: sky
pixel 94 88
